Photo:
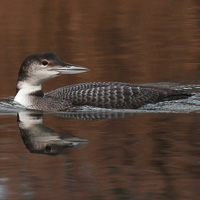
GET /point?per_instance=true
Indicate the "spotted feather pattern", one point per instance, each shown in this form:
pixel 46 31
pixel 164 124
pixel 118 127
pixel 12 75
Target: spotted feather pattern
pixel 113 94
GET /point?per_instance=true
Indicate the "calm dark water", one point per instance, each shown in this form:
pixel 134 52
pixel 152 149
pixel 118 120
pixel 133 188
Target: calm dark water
pixel 148 154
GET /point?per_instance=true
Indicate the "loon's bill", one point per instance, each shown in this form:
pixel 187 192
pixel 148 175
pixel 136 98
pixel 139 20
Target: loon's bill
pixel 69 69
pixel 40 67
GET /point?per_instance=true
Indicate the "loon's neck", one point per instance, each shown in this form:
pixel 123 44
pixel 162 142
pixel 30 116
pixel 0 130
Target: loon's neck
pixel 26 91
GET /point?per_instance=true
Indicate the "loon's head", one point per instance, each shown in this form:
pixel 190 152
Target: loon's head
pixel 37 68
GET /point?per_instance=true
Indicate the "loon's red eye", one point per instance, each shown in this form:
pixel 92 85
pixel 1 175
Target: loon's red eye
pixel 44 62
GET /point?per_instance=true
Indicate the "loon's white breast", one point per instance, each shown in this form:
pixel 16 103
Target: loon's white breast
pixel 23 96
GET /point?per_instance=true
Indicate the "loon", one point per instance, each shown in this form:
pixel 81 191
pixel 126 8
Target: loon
pixel 40 67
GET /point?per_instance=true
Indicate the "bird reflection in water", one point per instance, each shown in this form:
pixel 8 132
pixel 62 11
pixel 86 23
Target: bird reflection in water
pixel 41 139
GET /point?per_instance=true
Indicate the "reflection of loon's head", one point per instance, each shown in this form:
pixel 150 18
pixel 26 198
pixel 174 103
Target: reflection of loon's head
pixel 40 67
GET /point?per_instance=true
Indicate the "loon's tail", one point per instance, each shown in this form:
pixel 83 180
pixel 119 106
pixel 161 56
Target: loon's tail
pixel 177 94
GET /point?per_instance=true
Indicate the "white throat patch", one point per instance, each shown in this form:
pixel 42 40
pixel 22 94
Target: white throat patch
pixel 23 95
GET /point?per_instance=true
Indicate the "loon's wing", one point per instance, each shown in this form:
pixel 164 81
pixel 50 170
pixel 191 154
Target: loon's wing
pixel 114 94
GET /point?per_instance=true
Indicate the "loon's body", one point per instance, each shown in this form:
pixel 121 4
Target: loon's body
pixel 38 68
